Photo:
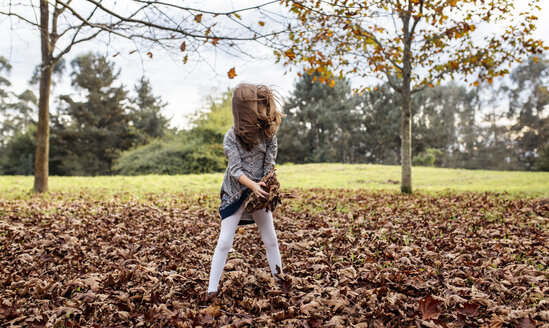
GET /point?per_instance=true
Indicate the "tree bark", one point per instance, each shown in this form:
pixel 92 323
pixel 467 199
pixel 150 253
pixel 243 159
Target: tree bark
pixel 406 141
pixel 406 113
pixel 43 129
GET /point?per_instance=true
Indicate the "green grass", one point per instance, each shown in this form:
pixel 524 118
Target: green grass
pixel 352 176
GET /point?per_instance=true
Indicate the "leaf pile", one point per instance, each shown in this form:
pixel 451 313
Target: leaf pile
pixel 254 203
pixel 350 259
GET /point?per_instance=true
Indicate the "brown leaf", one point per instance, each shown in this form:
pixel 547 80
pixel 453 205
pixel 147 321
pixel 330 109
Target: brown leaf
pixel 183 46
pixel 496 321
pixel 207 319
pixel 243 322
pixel 526 322
pixel 231 73
pixel 7 312
pixel 285 281
pixel 429 308
pixel 314 323
pixel 213 310
pixel 469 310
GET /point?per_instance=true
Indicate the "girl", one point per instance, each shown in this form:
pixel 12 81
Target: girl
pixel 250 146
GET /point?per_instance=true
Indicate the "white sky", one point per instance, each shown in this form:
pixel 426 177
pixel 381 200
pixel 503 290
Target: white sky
pixel 183 87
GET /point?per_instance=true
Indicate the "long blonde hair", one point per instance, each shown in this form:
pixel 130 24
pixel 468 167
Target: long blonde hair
pixel 255 113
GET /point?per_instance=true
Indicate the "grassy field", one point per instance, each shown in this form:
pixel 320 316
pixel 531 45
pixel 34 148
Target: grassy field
pixel 352 176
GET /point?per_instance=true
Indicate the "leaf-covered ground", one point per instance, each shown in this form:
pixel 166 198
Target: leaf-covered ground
pixel 350 259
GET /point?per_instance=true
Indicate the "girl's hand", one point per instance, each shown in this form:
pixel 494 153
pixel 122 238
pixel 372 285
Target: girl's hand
pixel 254 186
pixel 258 191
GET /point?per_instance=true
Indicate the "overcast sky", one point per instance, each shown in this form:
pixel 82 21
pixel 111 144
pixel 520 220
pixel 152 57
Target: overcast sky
pixel 183 87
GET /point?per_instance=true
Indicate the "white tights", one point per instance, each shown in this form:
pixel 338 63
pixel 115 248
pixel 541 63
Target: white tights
pixel 264 221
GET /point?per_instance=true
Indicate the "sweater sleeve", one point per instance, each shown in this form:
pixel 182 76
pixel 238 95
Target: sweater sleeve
pixel 270 155
pixel 234 166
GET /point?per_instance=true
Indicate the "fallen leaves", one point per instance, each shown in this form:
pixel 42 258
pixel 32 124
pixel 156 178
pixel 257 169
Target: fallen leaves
pixel 351 258
pixel 254 203
pixel 469 310
pixel 526 322
pixel 429 308
pixel 7 312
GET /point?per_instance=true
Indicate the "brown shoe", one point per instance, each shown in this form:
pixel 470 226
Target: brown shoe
pixel 209 296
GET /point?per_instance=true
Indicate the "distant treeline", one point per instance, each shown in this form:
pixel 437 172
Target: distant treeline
pixel 104 129
pixel 504 127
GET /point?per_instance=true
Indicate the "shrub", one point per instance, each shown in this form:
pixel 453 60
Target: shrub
pixel 18 155
pixel 542 161
pixel 427 158
pixel 179 155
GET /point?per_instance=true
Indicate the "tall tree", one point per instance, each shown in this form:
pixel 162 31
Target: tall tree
pixel 318 123
pixel 409 44
pixel 528 100
pixel 146 112
pixel 468 130
pixel 5 68
pixel 17 156
pixel 438 119
pixel 379 135
pixel 17 111
pixel 63 25
pixel 96 129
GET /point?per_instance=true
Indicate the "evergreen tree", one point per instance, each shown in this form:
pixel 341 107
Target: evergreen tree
pixel 17 111
pixel 17 156
pixel 145 112
pixel 442 115
pixel 5 67
pixel 379 135
pixel 468 143
pixel 528 98
pixel 318 123
pixel 17 126
pixel 89 134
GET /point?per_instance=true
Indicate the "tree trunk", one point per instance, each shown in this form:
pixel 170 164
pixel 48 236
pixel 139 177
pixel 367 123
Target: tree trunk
pixel 342 150
pixel 406 112
pixel 43 131
pixel 406 142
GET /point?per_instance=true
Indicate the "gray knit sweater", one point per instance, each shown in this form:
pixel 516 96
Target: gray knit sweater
pixel 254 163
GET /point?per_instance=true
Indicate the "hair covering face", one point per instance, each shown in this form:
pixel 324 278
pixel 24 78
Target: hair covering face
pixel 255 113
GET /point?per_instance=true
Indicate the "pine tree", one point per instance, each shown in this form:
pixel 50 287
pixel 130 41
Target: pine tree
pixel 146 112
pixel 379 135
pixel 318 123
pixel 89 134
pixel 528 98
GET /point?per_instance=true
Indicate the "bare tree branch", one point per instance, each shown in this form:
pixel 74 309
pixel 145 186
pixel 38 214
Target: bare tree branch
pixel 176 30
pixel 206 11
pixel 20 17
pixel 73 42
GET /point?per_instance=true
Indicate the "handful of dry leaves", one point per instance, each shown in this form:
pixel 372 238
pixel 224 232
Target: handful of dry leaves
pixel 254 203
